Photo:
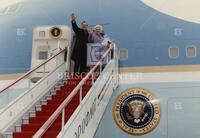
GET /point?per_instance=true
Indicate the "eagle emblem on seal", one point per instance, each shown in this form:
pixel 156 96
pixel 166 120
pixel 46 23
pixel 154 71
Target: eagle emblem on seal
pixel 136 111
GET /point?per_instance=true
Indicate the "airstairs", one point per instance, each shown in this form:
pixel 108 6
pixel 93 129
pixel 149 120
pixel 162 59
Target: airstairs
pixel 59 104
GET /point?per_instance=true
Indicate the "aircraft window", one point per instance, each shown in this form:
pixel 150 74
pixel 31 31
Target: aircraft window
pixel 174 52
pixel 191 52
pixel 42 34
pixel 123 54
pixel 43 55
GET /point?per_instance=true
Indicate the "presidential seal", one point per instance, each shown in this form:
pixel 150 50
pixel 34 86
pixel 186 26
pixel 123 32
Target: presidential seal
pixel 137 111
pixel 55 32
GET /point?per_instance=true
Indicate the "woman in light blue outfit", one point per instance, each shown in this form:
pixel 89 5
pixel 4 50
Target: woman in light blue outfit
pixel 96 36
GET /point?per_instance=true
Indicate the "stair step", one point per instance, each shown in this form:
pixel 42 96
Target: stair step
pixel 48 97
pixel 57 87
pixel 55 127
pixel 51 134
pixel 8 135
pixel 38 107
pixel 36 126
pixel 45 118
pixel 50 106
pixel 74 79
pixel 23 135
pixel 44 102
pixel 60 98
pixel 55 101
pixel 53 92
pixel 18 128
pixel 31 127
pixel 67 89
pixel 60 95
pixel 37 118
pixel 32 113
pixel 47 112
pixel 44 113
pixel 25 120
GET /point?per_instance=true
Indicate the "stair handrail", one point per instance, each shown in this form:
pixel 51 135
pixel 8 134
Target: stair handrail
pixel 61 108
pixel 32 70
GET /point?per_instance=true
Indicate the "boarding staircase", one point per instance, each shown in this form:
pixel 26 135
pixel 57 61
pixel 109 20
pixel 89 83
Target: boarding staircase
pixel 43 112
pixel 60 104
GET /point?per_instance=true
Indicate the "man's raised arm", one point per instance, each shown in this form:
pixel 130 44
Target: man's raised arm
pixel 74 25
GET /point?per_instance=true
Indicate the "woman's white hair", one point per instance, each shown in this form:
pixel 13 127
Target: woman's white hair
pixel 98 26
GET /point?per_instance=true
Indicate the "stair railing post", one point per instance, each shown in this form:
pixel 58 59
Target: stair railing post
pixel 63 119
pixel 107 58
pixel 29 82
pixel 100 70
pixel 81 91
pixel 56 61
pixel 110 53
pixel 44 68
pixel 92 78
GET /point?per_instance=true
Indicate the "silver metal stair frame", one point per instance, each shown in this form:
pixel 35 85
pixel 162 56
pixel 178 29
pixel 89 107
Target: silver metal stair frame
pixel 37 106
pixel 110 71
pixel 30 110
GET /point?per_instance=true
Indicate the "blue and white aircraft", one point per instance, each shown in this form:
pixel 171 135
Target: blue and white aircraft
pixel 155 33
pixel 159 43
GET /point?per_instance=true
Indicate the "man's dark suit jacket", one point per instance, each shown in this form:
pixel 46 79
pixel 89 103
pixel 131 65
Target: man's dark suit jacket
pixel 80 48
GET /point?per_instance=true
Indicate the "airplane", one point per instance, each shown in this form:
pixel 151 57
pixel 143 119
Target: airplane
pixel 158 49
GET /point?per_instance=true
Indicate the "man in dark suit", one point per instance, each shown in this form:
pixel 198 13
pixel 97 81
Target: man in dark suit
pixel 79 54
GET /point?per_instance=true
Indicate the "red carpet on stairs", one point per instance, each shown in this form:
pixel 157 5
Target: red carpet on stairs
pixel 42 116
